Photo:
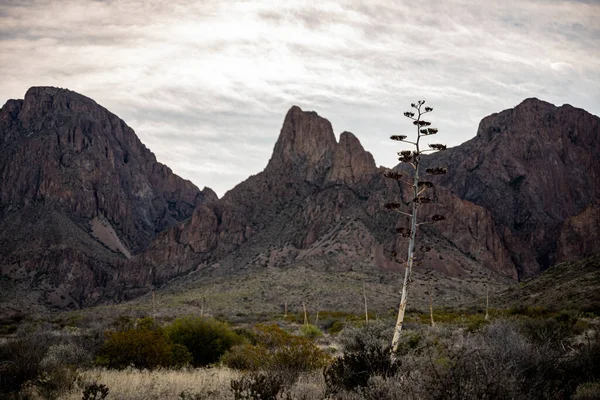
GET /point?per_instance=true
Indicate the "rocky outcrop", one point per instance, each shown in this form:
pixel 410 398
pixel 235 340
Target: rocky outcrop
pixel 580 235
pixel 63 154
pixel 305 146
pixel 351 163
pixel 314 194
pixel 81 190
pixel 533 167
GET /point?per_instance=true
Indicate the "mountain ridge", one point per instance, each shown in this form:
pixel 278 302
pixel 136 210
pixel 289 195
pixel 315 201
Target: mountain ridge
pixel 317 206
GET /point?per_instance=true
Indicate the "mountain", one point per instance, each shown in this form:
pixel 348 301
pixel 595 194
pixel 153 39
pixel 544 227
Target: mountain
pixel 536 168
pixel 318 207
pixel 88 215
pixel 79 195
pixel 518 197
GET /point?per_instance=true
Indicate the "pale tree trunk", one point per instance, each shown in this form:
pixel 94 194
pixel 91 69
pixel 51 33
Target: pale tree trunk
pixel 305 315
pixel 413 158
pixel 153 307
pixel 431 304
pixel 487 303
pixel 409 262
pixel 366 310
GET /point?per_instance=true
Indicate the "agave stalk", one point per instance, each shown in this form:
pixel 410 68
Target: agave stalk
pixel 413 158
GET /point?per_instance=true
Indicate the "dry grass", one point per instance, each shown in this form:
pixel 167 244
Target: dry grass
pixel 130 384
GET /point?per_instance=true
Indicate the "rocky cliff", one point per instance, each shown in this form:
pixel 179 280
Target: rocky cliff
pixel 535 168
pixel 88 215
pixel 319 205
pixel 79 194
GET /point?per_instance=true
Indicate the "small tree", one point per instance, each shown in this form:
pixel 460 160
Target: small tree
pixel 419 197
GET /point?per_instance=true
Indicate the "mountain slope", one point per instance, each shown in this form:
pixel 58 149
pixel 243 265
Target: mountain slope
pixel 89 216
pixel 534 167
pixel 79 194
pixel 568 285
pixel 318 206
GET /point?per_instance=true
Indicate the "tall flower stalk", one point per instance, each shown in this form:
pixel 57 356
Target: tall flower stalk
pixel 419 197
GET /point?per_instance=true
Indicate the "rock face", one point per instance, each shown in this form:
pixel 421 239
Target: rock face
pixel 98 194
pixel 535 167
pixel 318 204
pixel 88 214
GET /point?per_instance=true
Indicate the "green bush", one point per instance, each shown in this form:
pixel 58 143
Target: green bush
pixel 143 347
pixel 311 331
pixel 336 327
pixel 206 339
pixel 276 349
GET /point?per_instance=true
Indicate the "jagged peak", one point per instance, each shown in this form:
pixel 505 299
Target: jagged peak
pixel 350 139
pixel 43 99
pixel 307 141
pixel 351 163
pixel 209 195
pixel 534 101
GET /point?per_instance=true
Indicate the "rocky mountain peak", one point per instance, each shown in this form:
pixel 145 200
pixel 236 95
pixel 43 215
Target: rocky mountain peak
pixel 351 163
pixel 531 166
pixel 42 100
pixel 305 145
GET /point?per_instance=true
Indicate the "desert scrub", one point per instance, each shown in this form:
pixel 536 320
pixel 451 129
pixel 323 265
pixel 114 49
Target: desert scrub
pixel 366 354
pixel 145 346
pixel 258 385
pixel 205 338
pixel 160 384
pixel 311 331
pixel 275 349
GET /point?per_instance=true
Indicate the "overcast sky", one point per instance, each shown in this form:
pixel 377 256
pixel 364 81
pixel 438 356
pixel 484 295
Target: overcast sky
pixel 206 84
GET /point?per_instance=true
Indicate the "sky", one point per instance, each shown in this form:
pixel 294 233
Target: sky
pixel 206 84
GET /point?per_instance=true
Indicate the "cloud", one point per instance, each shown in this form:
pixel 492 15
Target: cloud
pixel 206 84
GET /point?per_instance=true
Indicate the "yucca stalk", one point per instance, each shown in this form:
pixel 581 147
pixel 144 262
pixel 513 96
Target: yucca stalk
pixel 418 187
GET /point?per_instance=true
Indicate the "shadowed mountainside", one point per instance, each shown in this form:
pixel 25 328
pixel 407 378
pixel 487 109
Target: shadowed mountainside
pixel 88 215
pixel 79 194
pixel 536 167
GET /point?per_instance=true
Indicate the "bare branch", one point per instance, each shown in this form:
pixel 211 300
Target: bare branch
pixel 404 213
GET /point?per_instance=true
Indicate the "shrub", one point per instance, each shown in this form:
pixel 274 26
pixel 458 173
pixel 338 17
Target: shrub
pixel 68 355
pixel 206 339
pixel 276 350
pixel 257 385
pixel 95 391
pixel 588 391
pixel 366 354
pixel 311 331
pixel 142 347
pixel 52 383
pixel 336 327
pixel 20 360
pixel 354 369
